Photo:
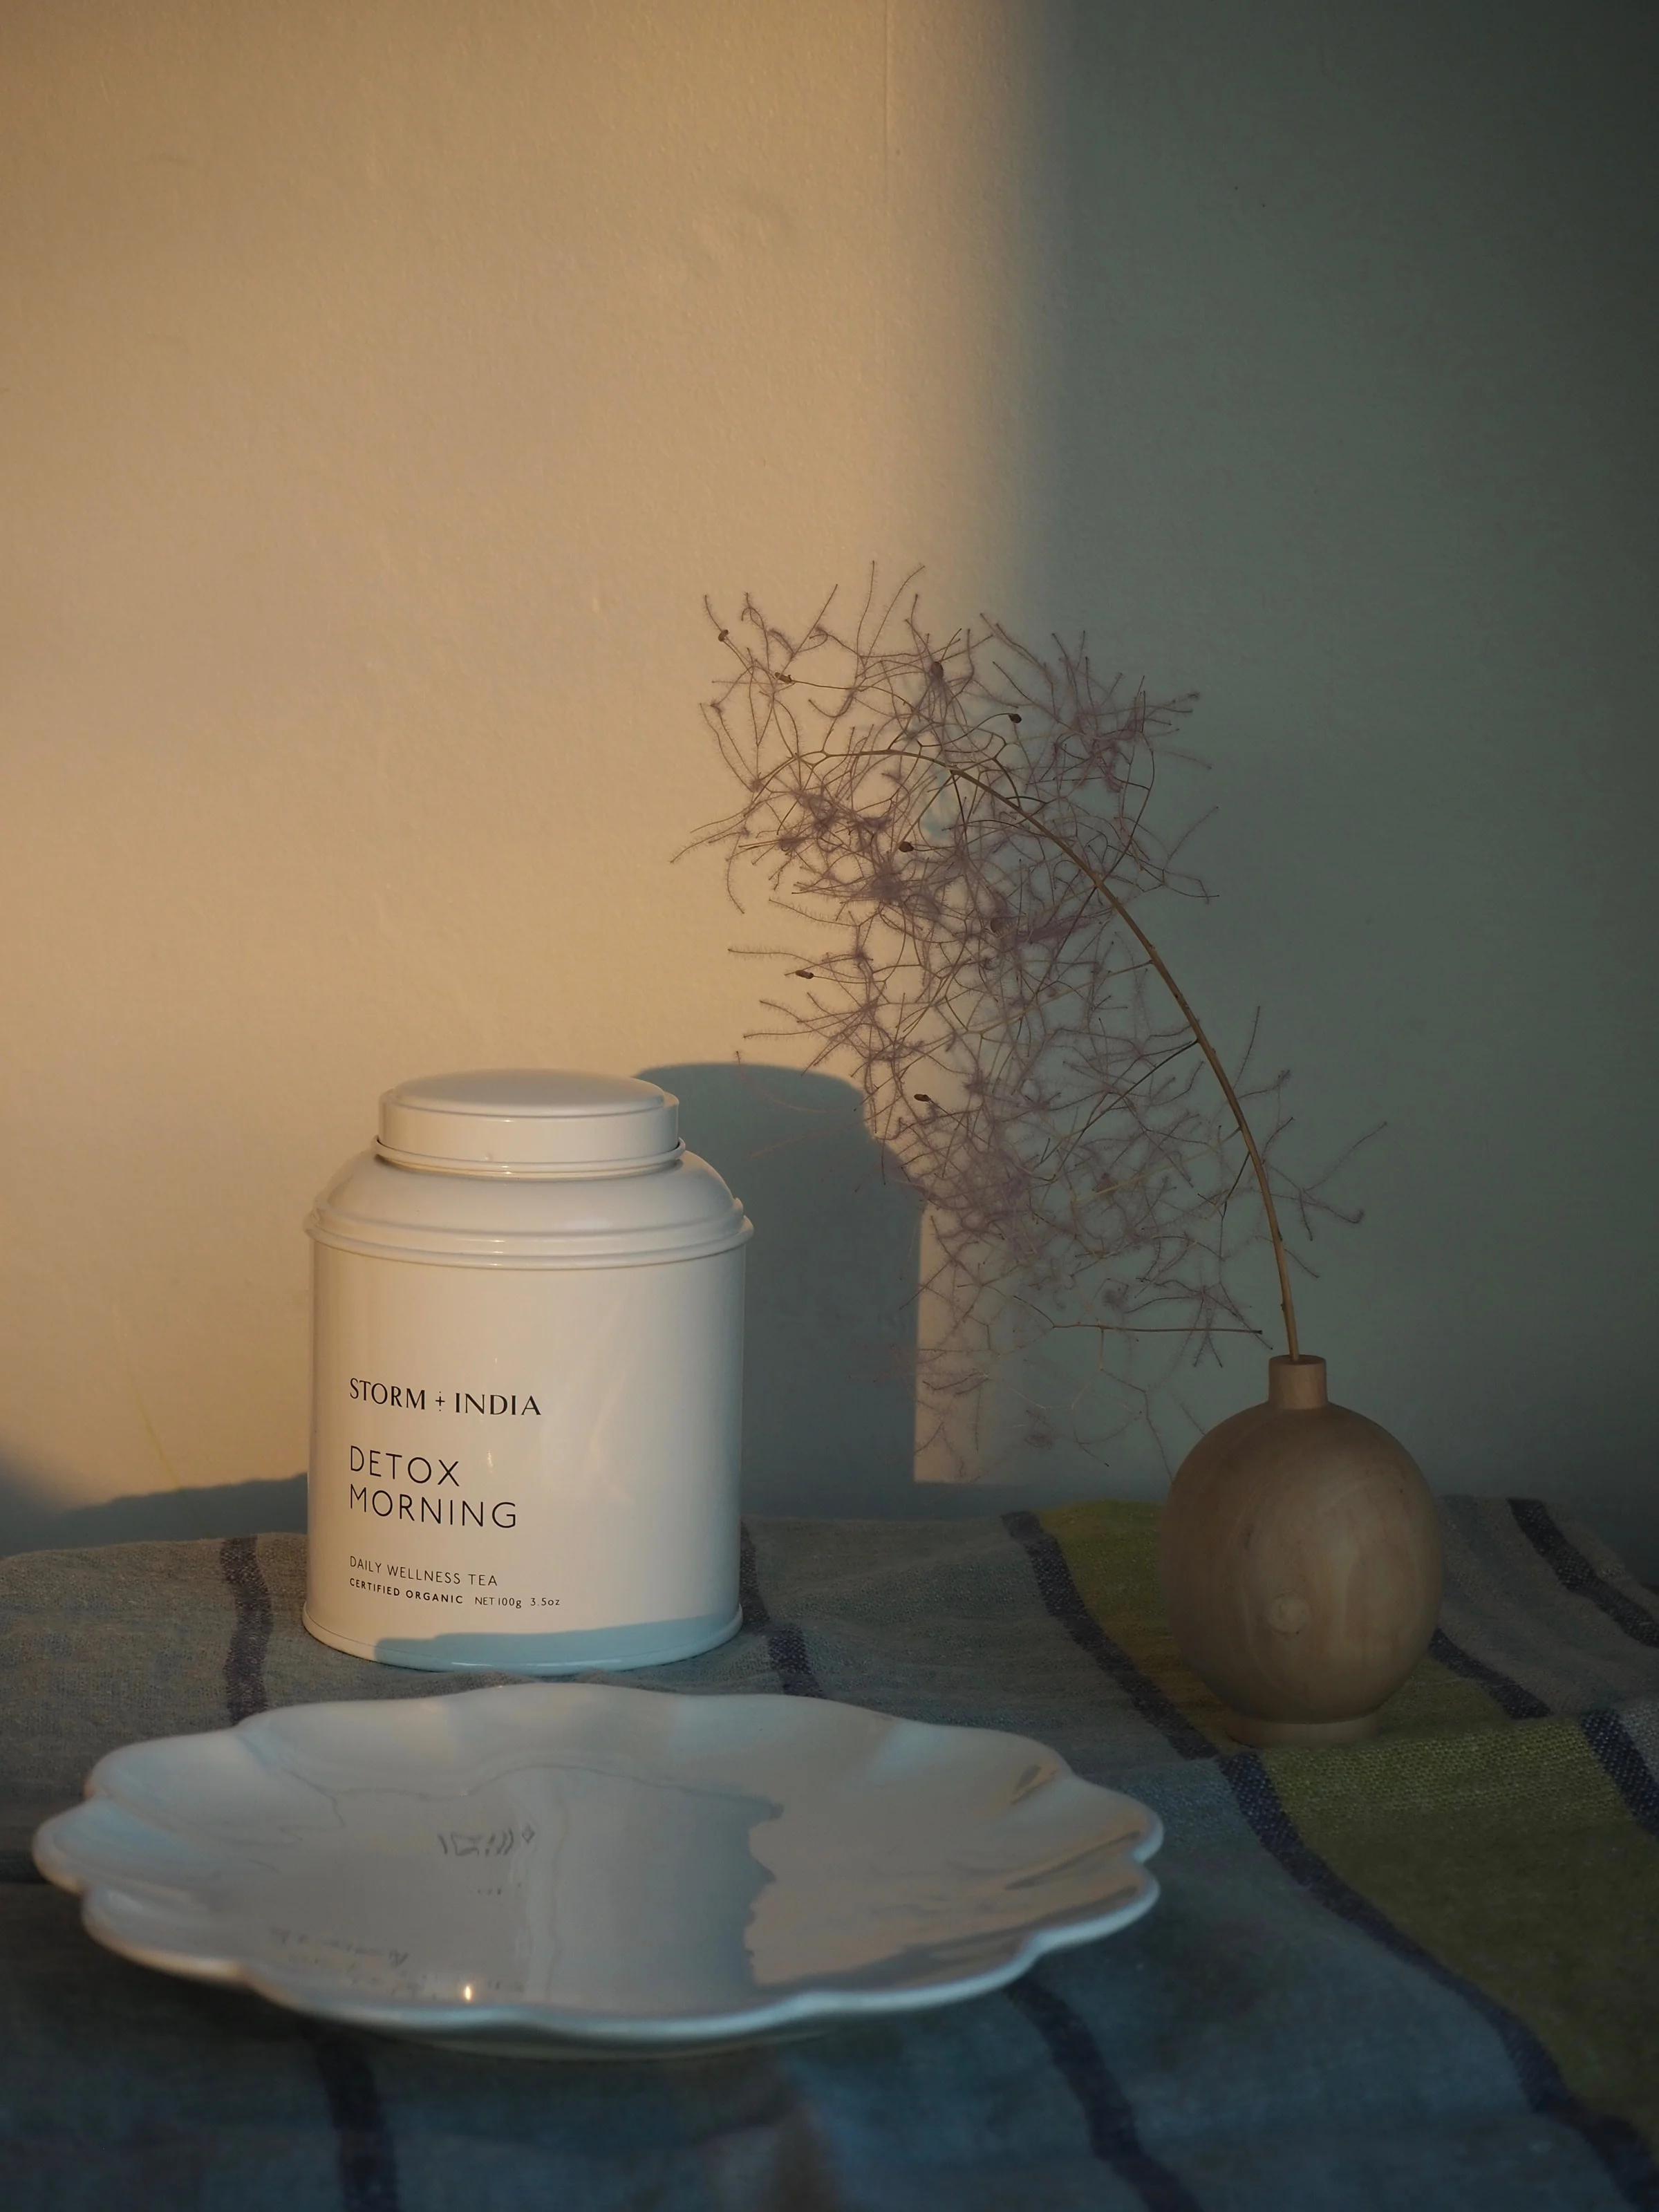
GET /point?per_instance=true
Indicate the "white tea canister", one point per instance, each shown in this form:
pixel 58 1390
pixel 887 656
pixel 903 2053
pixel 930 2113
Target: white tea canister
pixel 526 1369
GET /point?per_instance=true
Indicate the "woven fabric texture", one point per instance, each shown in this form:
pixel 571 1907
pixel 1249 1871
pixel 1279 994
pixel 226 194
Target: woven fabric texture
pixel 1419 1972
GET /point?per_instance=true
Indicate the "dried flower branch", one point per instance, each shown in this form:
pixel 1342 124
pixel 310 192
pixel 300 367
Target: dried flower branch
pixel 964 824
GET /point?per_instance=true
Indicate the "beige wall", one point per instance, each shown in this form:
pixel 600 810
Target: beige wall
pixel 383 385
pixel 386 385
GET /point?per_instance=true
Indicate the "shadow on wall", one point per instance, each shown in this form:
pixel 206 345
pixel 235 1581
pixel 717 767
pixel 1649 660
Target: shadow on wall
pixel 829 1410
pixel 829 1407
pixel 828 1402
pixel 223 1509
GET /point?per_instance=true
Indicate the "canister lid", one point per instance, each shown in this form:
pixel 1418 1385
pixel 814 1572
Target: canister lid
pixel 527 1120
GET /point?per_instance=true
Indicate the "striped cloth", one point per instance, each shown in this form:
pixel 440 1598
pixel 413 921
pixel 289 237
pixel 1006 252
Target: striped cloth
pixel 1420 1972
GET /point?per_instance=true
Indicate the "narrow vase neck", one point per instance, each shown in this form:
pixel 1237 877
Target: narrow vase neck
pixel 1296 1385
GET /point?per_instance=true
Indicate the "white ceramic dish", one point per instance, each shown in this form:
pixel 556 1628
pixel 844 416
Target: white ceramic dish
pixel 583 1867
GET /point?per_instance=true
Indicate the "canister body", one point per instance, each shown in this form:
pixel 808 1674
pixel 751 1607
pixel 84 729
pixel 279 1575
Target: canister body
pixel 526 1415
pixel 515 1468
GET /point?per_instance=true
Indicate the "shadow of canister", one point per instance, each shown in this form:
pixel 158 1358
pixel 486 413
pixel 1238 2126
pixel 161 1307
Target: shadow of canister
pixel 828 1389
pixel 828 1402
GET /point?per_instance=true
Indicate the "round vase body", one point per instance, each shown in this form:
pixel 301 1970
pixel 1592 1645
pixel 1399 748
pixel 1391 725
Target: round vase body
pixel 1301 1564
pixel 525 1383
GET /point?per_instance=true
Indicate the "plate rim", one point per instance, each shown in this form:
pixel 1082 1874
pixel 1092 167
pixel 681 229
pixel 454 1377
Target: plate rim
pixel 545 2025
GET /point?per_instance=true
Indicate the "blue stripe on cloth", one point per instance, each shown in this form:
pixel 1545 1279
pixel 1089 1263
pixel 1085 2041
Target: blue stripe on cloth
pixel 1520 1704
pixel 362 2141
pixel 786 1647
pixel 1621 2150
pixel 1574 1571
pixel 1624 1766
pixel 1107 2112
pixel 1070 2042
pixel 245 1659
pixel 1503 1605
pixel 1065 1602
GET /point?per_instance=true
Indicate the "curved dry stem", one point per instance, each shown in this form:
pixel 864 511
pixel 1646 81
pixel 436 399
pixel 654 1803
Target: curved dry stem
pixel 963 834
pixel 1009 799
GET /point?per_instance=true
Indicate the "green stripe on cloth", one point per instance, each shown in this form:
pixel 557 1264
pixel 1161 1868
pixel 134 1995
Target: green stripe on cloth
pixel 1112 1553
pixel 1509 1854
pixel 1111 1550
pixel 1503 1849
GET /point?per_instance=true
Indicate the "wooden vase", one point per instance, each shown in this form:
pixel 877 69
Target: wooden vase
pixel 1301 1564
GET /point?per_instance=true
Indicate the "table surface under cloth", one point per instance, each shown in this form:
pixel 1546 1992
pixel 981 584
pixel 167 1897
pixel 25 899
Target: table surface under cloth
pixel 1419 1972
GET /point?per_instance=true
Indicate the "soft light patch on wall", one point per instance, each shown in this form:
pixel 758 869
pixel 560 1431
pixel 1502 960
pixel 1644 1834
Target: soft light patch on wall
pixel 386 386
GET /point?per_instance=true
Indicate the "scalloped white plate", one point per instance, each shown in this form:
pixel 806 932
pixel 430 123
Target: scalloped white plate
pixel 580 1867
